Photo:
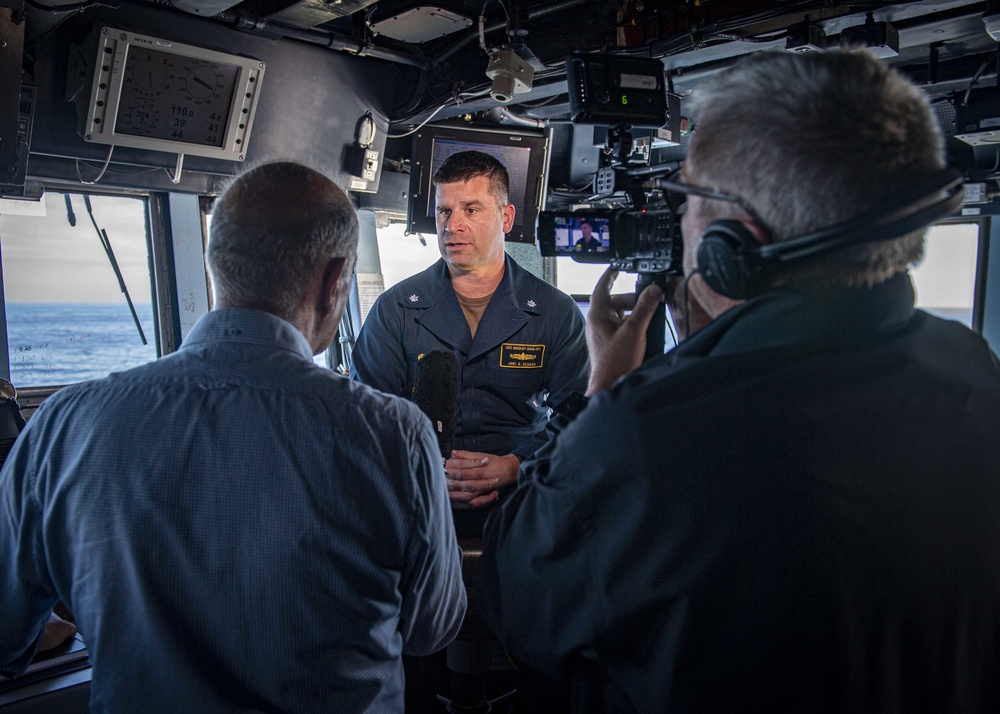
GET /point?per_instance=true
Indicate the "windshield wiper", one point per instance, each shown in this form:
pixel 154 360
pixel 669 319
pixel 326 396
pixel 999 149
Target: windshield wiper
pixel 102 235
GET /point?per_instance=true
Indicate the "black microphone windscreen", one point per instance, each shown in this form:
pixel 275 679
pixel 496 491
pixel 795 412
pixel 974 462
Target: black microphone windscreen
pixel 435 391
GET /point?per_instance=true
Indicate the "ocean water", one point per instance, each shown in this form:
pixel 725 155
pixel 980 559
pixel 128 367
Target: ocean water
pixel 56 344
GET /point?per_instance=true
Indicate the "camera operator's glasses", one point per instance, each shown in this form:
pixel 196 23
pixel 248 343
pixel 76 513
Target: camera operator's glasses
pixel 677 191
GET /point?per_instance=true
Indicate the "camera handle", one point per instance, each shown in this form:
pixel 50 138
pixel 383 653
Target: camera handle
pixel 656 333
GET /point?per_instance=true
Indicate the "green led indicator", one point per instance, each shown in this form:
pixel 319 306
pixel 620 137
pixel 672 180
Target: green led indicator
pixel 624 99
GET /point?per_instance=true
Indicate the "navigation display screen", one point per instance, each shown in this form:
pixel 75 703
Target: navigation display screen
pixel 515 158
pixel 524 152
pixel 176 98
pixel 156 94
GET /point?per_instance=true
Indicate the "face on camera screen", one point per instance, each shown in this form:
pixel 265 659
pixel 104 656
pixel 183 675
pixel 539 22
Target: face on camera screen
pixel 578 234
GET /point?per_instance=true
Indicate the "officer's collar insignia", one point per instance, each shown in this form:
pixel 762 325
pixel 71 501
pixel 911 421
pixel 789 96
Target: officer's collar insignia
pixel 414 298
pixel 531 303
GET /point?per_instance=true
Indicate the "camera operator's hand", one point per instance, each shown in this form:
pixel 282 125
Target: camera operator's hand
pixel 616 340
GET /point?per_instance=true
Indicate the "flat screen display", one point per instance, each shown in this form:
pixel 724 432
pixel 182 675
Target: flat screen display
pixel 157 94
pixel 516 159
pixel 173 97
pixel 523 153
pixel 578 234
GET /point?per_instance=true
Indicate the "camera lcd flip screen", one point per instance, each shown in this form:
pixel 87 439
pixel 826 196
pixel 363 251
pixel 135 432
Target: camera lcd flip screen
pixel 636 241
pixel 575 235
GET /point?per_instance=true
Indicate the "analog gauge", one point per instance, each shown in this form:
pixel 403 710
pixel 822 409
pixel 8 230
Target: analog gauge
pixel 201 82
pixel 148 74
pixel 142 117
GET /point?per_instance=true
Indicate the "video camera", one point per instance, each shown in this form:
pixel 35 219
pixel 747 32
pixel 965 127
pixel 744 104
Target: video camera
pixel 645 241
pixel 623 94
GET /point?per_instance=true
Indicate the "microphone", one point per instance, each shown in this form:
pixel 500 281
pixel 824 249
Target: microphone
pixel 435 391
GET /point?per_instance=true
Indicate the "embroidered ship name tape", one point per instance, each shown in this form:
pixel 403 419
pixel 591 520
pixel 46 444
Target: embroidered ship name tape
pixel 522 356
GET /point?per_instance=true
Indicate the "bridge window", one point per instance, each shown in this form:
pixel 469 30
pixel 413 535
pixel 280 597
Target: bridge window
pixel 403 255
pixel 945 280
pixel 67 315
pixel 580 278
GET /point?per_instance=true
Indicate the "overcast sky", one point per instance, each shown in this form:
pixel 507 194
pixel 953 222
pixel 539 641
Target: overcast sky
pixel 47 260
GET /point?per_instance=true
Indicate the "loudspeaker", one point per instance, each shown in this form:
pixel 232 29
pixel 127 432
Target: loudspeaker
pixel 735 265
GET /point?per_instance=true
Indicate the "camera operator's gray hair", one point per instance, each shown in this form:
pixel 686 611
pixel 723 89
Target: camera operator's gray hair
pixel 812 140
pixel 270 228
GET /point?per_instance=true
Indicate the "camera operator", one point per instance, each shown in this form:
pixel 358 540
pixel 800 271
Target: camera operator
pixel 798 508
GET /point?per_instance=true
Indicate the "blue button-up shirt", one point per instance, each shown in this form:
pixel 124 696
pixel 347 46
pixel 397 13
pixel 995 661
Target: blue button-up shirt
pixel 233 528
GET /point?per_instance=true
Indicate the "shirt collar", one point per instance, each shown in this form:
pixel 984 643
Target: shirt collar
pixel 516 284
pixel 819 317
pixel 246 325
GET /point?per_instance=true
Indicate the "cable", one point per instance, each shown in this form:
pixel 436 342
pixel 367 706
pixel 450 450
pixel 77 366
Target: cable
pixel 175 177
pixel 418 127
pixel 457 99
pixel 99 176
pixel 60 9
pixel 687 304
pixel 977 75
pixel 482 24
pixel 370 120
pixel 749 38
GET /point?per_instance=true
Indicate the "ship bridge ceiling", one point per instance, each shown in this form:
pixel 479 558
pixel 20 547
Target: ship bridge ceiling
pixel 504 61
pixel 451 45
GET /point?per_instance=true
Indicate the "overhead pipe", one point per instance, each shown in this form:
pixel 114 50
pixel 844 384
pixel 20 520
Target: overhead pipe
pixel 501 113
pixel 330 40
pixel 533 14
pixel 253 24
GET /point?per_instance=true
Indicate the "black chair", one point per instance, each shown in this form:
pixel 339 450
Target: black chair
pixel 11 423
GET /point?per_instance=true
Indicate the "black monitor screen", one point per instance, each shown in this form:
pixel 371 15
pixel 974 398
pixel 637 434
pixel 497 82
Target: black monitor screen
pixel 524 154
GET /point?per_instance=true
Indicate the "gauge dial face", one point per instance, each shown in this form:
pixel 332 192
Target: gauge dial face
pixel 142 117
pixel 174 97
pixel 201 81
pixel 148 75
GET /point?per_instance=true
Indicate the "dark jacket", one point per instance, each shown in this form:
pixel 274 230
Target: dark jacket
pixel 797 510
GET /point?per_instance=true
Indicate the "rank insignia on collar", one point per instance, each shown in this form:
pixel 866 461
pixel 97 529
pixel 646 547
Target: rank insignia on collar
pixel 414 298
pixel 531 303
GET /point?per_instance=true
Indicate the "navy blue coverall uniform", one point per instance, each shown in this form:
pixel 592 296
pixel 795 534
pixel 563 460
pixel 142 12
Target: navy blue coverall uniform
pixel 529 346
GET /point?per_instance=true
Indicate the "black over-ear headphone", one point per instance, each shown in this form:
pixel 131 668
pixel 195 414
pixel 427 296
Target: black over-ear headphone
pixel 734 264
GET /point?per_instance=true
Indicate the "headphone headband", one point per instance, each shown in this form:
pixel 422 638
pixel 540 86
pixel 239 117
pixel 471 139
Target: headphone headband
pixel 878 222
pixel 734 264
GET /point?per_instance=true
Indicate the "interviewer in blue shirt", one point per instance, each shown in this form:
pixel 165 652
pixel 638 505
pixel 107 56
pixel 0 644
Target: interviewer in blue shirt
pixel 233 527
